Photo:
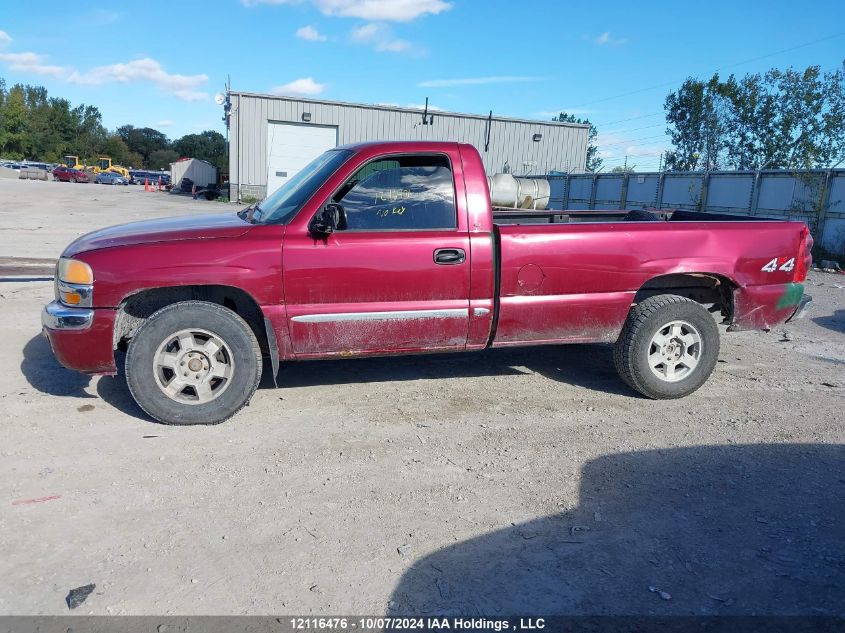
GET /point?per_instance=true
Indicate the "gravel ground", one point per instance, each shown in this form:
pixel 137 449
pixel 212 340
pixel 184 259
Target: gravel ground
pixel 514 481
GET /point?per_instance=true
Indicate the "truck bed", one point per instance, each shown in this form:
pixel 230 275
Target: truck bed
pixel 577 279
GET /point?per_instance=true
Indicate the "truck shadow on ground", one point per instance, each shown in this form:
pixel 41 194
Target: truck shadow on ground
pixel 835 321
pixel 738 530
pixel 588 366
pixel 44 373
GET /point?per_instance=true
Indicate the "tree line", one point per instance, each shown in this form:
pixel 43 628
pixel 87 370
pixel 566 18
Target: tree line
pixel 780 119
pixel 35 126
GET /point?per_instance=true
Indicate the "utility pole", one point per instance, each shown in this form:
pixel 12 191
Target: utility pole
pixel 625 168
pixel 660 162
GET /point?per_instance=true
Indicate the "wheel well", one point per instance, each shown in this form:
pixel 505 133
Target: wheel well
pixel 137 308
pixel 713 291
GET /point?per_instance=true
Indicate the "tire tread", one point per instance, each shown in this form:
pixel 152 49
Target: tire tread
pixel 623 351
pixel 222 311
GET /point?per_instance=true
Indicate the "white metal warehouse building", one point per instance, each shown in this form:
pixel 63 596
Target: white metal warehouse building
pixel 271 138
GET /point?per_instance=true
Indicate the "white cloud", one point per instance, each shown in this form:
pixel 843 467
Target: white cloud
pixel 382 10
pixel 605 38
pixel 305 86
pixel 422 106
pixel 32 63
pixel 380 37
pixel 376 10
pixel 185 87
pixel 476 81
pixel 144 70
pixel 165 123
pixel 393 46
pixel 365 33
pixel 310 33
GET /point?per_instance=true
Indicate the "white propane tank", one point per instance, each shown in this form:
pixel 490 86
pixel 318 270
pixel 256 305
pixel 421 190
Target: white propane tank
pixel 518 193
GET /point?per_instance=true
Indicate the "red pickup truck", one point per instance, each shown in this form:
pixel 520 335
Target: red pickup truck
pixel 395 248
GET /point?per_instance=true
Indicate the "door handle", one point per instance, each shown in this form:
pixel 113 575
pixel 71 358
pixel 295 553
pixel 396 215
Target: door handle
pixel 449 256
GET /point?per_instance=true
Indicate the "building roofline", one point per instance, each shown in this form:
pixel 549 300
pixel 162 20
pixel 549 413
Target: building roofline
pixel 390 108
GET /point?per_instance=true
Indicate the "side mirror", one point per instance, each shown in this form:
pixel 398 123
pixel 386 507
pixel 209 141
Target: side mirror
pixel 332 218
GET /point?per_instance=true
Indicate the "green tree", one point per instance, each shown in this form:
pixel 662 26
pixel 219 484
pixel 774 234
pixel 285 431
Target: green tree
pixel 694 125
pixel 115 148
pixel 161 159
pixel 594 161
pixel 14 123
pixel 143 140
pixel 208 145
pixel 89 134
pixel 781 119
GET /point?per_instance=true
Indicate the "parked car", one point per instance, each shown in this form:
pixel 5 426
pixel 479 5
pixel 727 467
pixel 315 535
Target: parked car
pixel 43 166
pixel 110 178
pixel 67 174
pixel 138 177
pixel 396 248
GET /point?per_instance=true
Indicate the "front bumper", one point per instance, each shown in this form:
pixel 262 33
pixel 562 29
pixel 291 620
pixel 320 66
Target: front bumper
pixel 57 316
pixel 81 338
pixel 802 309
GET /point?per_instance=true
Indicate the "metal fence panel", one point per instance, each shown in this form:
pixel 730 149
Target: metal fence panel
pixel 557 191
pixel 609 191
pixel 728 193
pixel 814 196
pixel 776 193
pixel 642 191
pixel 682 191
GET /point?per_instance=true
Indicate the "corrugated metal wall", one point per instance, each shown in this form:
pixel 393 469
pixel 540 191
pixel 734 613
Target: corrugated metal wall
pixel 815 196
pixel 562 148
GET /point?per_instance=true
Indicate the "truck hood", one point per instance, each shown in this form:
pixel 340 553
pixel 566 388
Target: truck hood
pixel 188 227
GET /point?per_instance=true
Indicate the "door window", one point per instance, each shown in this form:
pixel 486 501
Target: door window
pixel 399 194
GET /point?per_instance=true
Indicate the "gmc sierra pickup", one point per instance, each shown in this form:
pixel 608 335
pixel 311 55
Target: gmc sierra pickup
pixel 395 248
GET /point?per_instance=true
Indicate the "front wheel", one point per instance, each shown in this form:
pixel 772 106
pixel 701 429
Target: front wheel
pixel 668 347
pixel 193 362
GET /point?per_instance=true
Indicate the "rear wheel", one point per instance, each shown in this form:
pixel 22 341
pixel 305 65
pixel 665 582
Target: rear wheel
pixel 668 347
pixel 193 362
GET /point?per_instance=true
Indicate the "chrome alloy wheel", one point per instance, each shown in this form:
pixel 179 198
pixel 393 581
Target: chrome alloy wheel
pixel 674 351
pixel 193 366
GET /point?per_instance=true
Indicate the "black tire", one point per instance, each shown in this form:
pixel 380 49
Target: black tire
pixel 198 315
pixel 635 343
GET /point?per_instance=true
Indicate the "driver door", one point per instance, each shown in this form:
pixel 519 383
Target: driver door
pixel 396 277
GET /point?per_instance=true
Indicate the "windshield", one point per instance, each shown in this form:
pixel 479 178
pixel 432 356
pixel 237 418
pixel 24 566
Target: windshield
pixel 284 203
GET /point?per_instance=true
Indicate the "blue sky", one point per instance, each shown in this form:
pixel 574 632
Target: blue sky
pixel 159 64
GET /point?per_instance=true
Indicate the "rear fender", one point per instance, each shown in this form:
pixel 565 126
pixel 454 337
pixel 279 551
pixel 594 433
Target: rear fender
pixel 764 307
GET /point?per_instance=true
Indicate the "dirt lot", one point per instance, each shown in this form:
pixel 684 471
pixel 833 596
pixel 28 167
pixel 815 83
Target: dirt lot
pixel 522 481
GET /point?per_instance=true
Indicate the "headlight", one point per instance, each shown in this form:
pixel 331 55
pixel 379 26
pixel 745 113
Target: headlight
pixel 74 283
pixel 74 271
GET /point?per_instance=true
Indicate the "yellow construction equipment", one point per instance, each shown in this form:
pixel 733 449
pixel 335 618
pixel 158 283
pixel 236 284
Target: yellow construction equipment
pixel 104 164
pixel 72 162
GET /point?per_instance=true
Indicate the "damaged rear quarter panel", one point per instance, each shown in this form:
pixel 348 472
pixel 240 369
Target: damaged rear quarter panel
pixel 764 307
